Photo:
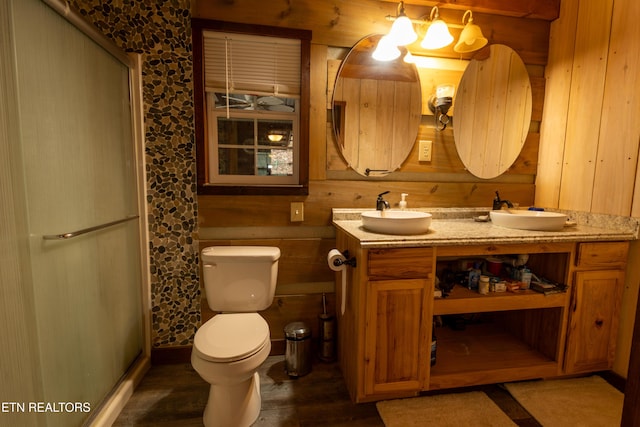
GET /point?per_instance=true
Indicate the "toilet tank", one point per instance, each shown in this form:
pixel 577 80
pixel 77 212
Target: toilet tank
pixel 240 278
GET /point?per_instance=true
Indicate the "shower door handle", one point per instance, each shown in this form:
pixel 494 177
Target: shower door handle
pixel 65 236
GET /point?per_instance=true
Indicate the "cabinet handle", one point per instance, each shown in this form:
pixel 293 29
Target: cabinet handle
pixel 599 323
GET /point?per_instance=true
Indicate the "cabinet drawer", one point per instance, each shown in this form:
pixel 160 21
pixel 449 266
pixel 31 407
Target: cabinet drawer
pixel 602 254
pixel 402 263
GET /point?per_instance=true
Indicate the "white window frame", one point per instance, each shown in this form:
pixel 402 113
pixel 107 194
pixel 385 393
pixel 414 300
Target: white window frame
pixel 207 181
pixel 216 178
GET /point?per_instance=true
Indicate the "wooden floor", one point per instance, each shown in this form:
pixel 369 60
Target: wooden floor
pixel 175 395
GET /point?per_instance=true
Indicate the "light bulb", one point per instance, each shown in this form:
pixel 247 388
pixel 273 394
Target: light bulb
pixel 386 50
pixel 402 32
pixel 438 35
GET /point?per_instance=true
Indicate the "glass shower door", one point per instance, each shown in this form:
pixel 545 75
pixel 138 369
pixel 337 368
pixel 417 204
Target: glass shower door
pixel 82 209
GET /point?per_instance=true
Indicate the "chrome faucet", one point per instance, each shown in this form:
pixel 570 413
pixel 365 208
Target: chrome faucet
pixel 497 203
pixel 382 204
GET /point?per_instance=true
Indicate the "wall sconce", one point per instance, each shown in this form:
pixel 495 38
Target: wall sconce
pixel 471 37
pixel 437 35
pixel 440 104
pixel 402 32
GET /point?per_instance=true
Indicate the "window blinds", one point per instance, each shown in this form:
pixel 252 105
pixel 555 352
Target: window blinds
pixel 251 64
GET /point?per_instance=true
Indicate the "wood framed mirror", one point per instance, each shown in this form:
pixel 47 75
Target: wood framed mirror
pixel 376 110
pixel 492 111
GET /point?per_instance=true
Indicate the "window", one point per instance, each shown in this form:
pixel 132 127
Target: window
pixel 252 108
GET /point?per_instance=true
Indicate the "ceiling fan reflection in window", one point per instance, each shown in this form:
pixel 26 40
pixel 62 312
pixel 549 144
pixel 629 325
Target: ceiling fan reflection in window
pixel 244 103
pixel 252 102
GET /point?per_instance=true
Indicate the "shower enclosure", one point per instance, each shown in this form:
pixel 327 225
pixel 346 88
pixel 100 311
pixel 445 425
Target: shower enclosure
pixel 73 261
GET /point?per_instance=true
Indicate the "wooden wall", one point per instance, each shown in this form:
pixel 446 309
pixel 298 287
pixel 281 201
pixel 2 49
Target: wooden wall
pixel 590 129
pixel 443 182
pixel 590 132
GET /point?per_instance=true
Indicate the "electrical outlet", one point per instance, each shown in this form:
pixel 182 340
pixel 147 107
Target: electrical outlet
pixel 424 153
pixel 297 211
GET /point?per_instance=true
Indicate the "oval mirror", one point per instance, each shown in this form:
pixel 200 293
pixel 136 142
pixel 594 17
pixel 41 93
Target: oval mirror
pixel 376 110
pixel 493 111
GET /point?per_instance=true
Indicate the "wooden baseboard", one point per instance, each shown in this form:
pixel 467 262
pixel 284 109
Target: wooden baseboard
pixel 278 347
pixel 170 355
pixel 182 354
pixel 614 379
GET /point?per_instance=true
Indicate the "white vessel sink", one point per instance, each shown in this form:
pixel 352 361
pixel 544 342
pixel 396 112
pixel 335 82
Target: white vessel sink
pixel 396 222
pixel 529 220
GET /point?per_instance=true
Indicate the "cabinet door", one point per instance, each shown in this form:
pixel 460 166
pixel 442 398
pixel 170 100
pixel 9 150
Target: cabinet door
pixel 395 342
pixel 593 322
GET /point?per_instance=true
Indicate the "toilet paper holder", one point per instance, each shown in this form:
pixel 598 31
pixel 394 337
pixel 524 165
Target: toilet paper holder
pixel 351 261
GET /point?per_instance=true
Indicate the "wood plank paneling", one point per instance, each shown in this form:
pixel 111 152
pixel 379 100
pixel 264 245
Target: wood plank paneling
pixel 260 211
pixel 334 24
pixel 554 117
pixel 589 134
pixel 318 113
pixel 585 105
pixel 617 156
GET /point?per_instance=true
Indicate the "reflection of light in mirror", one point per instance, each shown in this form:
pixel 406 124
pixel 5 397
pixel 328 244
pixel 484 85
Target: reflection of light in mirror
pixel 386 50
pixel 409 59
pixel 436 63
pixel 375 136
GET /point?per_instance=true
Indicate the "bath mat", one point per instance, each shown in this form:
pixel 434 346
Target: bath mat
pixel 585 402
pixel 442 410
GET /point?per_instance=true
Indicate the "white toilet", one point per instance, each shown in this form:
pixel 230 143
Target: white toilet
pixel 229 348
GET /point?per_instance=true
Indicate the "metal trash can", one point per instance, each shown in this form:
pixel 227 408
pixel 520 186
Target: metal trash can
pixel 297 358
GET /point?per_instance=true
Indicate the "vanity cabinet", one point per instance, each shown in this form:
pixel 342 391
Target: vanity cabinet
pixel 395 337
pixel 399 294
pixel 516 335
pixel 595 305
pixel 385 331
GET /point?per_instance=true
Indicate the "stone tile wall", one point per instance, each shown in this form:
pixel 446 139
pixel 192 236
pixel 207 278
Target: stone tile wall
pixel 161 32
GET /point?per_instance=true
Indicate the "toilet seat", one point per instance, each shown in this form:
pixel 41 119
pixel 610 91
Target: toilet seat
pixel 230 337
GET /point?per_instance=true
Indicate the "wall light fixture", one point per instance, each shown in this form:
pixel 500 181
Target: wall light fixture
pixel 440 103
pixel 471 37
pixel 437 35
pixel 402 32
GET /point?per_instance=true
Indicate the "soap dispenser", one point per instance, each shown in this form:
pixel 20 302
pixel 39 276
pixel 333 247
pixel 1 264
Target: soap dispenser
pixel 403 202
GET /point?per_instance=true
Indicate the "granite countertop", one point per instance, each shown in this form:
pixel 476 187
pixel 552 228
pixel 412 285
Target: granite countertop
pixel 456 226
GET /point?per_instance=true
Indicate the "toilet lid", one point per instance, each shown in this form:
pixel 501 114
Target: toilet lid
pixel 233 336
